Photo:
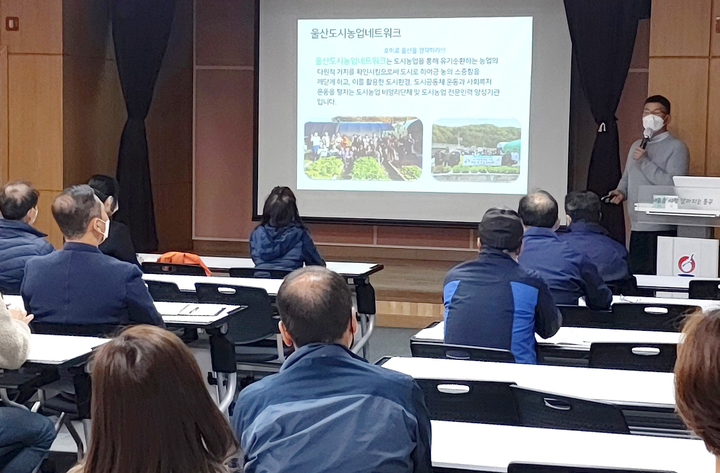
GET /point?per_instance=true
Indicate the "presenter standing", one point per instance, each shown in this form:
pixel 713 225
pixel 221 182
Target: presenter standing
pixel 652 161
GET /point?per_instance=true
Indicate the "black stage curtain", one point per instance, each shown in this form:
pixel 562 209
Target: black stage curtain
pixel 603 36
pixel 140 29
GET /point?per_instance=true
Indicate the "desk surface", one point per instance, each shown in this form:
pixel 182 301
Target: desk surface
pixel 61 349
pixel 187 283
pixel 616 386
pixel 702 303
pixel 169 312
pixel 224 263
pixel 577 337
pixel 484 447
pixel 669 283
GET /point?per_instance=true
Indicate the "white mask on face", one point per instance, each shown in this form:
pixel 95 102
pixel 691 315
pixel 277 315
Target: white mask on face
pixel 106 232
pixel 653 122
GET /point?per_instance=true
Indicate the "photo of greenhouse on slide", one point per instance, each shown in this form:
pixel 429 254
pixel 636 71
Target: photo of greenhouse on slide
pixel 476 150
pixel 364 149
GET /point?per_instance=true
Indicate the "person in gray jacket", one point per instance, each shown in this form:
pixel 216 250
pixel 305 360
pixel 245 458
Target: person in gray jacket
pixel 663 157
pixel 25 437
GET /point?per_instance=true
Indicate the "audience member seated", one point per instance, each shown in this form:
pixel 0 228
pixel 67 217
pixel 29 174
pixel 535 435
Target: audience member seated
pixel 151 411
pixel 79 284
pixel 25 437
pixel 328 410
pixel 491 301
pixel 697 378
pixel 19 241
pixel 118 244
pixel 281 241
pixel 586 236
pixel 568 274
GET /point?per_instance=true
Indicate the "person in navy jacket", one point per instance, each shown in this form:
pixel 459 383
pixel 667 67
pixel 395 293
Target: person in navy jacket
pixel 328 410
pixel 586 236
pixel 491 302
pixel 568 274
pixel 281 241
pixel 79 284
pixel 19 241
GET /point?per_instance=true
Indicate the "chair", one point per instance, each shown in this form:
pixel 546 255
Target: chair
pixel 173 268
pixel 258 273
pixel 486 402
pixel 709 289
pixel 634 356
pixel 254 324
pixel 582 316
pixel 162 291
pixel 552 411
pixel 651 317
pixel 460 352
pixel 539 468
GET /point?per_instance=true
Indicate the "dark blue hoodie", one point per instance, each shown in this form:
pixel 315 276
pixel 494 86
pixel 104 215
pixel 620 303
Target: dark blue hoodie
pixel 286 249
pixel 18 243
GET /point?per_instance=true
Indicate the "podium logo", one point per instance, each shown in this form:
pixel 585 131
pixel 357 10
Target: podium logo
pixel 686 264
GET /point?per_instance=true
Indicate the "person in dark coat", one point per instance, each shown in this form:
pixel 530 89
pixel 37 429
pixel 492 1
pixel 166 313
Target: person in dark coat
pixel 281 241
pixel 19 241
pixel 118 244
pixel 79 285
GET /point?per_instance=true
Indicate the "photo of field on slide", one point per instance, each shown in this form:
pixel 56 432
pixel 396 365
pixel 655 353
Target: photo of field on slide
pixel 364 149
pixel 476 150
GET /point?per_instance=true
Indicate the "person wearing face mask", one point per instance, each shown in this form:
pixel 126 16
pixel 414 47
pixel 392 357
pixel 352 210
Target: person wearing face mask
pixel 19 241
pixel 652 161
pixel 118 243
pixel 79 285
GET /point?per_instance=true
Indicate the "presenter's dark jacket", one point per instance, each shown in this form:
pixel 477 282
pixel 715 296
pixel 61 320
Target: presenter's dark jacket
pixel 492 302
pixel 592 241
pixel 568 274
pixel 329 411
pixel 283 249
pixel 81 285
pixel 18 243
pixel 119 245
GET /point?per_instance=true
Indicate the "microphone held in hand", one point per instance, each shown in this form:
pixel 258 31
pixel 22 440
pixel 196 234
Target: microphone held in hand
pixel 647 134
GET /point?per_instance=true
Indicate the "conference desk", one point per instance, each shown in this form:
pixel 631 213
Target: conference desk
pixel 222 352
pixel 61 350
pixel 674 284
pixel 491 448
pixel 225 263
pixel 704 304
pixel 271 286
pixel 626 388
pixel 572 338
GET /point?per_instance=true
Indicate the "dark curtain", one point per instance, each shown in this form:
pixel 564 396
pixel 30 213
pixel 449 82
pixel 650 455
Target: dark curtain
pixel 603 37
pixel 140 29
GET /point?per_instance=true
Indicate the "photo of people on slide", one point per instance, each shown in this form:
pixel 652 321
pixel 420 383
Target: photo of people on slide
pixel 364 149
pixel 476 150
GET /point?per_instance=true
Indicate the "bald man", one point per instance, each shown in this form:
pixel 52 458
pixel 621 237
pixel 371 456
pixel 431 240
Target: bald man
pixel 329 410
pixel 19 241
pixel 79 285
pixel 568 274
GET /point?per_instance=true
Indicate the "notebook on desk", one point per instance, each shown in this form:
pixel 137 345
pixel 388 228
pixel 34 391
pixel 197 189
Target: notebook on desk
pixel 190 310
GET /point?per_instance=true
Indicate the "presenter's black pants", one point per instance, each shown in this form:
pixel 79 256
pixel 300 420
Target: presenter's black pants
pixel 642 258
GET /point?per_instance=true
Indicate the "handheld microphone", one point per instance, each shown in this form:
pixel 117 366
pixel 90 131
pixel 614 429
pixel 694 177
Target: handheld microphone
pixel 647 134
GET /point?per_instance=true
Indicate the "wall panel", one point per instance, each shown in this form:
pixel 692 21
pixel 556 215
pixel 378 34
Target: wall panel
pixel 680 28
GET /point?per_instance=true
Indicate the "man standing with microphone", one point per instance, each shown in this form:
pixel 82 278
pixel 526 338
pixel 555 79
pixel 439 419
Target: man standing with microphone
pixel 652 161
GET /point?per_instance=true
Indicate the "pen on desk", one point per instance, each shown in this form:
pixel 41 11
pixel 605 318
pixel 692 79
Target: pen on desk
pixel 194 309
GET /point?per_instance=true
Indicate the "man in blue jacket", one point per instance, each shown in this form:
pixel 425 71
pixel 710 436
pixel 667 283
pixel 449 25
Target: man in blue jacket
pixel 492 302
pixel 79 285
pixel 328 410
pixel 568 274
pixel 19 241
pixel 586 236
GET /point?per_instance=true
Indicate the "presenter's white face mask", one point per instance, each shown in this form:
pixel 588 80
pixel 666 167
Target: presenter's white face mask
pixel 654 122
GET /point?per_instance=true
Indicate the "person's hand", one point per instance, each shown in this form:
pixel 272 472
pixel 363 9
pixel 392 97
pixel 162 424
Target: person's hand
pixel 639 153
pixel 616 197
pixel 21 315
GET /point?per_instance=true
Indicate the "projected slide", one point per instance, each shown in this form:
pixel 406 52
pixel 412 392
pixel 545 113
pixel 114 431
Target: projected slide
pixel 414 105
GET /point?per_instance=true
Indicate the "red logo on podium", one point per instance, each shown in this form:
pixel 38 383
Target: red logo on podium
pixel 686 264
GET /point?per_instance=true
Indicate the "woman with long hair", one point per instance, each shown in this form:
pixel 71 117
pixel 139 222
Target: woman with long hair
pixel 281 241
pixel 151 411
